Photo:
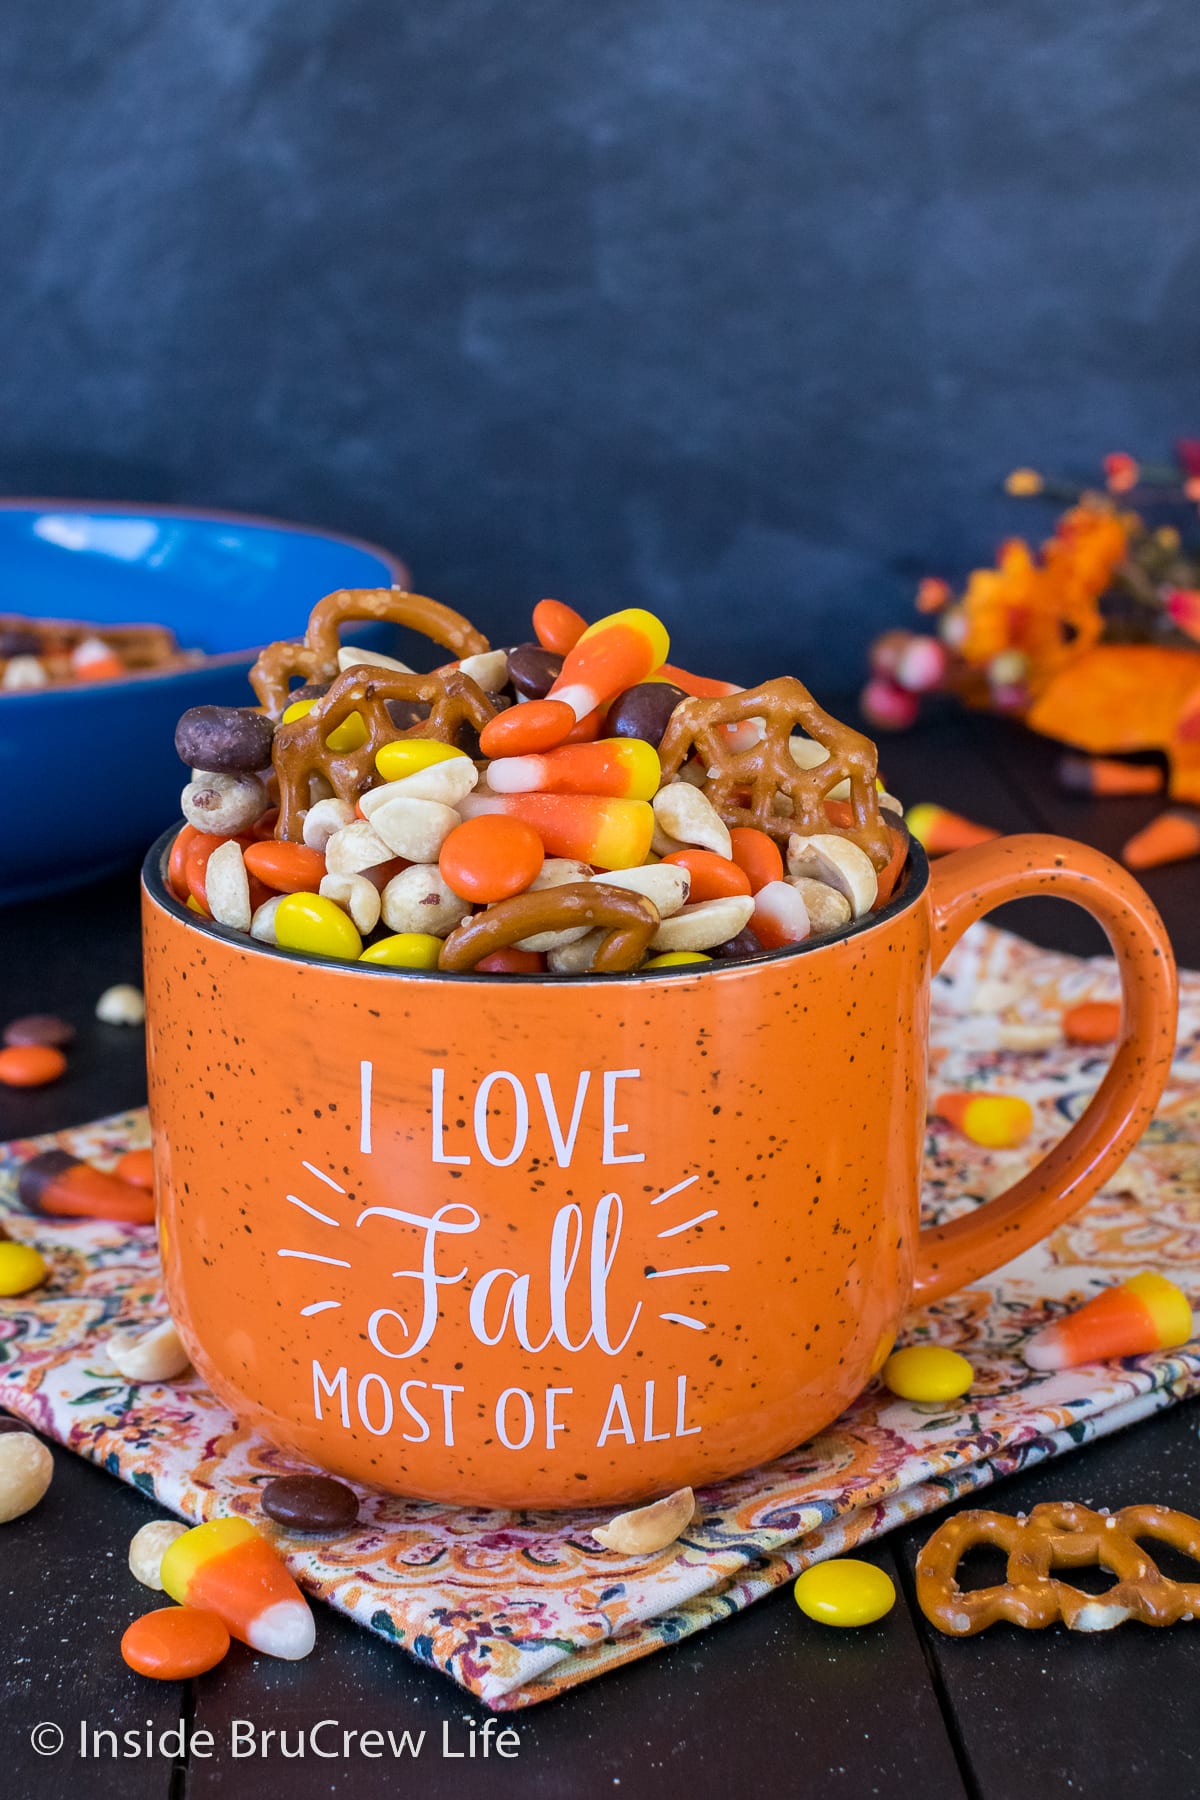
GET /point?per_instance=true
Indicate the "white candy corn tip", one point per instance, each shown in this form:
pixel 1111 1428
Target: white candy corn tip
pixel 1044 1352
pixel 580 699
pixel 287 1630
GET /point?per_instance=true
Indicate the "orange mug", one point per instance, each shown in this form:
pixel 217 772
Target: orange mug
pixel 532 1242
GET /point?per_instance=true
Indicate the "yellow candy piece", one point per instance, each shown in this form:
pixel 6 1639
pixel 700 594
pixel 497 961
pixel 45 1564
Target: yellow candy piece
pixel 845 1592
pixel 927 1372
pixel 311 923
pixel 351 734
pixel 21 1268
pixel 408 755
pixel 673 959
pixel 406 950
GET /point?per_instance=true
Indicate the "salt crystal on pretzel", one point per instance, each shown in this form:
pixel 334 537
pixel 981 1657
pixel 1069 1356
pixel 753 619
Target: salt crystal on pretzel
pixel 315 656
pixel 744 782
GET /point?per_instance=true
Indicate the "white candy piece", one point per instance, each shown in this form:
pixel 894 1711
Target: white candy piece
pixel 828 909
pixel 700 927
pixel 121 1005
pixel 447 782
pixel 356 896
pixel 26 1471
pixel 324 818
pixel 354 848
pixel 1031 1034
pixel 690 817
pixel 148 1547
pixel 557 871
pixel 224 804
pixel 262 925
pixel 154 1355
pixel 839 863
pixel 421 899
pixel 414 829
pixel 488 670
pixel 780 905
pixel 666 884
pixel 351 656
pixel 227 886
pixel 23 672
pixel 650 1528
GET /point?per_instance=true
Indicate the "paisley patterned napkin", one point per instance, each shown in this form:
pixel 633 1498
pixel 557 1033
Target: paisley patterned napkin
pixel 519 1606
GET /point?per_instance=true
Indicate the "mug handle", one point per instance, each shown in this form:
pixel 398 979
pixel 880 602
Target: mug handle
pixel 965 886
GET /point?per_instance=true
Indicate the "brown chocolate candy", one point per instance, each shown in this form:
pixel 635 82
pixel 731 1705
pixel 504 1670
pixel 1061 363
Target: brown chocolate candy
pixel 744 944
pixel 644 711
pixel 40 1028
pixel 310 1503
pixel 16 641
pixel 224 740
pixel 533 670
pixel 8 1423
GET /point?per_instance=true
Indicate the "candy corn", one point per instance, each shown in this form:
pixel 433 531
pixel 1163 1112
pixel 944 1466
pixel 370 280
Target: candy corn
pixel 780 916
pixel 939 831
pixel 58 1185
pixel 93 660
pixel 627 768
pixel 1000 1121
pixel 1145 1313
pixel 1106 775
pixel 228 1568
pixel 613 654
pixel 611 834
pixel 1173 837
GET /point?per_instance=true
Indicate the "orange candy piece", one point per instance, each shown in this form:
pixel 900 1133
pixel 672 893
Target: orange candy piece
pixel 177 861
pixel 286 868
pixel 557 627
pixel 137 1168
pixel 175 1643
pixel 524 730
pixel 491 858
pixel 1172 837
pixel 757 855
pixel 713 876
pixel 890 874
pixel 512 962
pixel 1092 1022
pixel 30 1065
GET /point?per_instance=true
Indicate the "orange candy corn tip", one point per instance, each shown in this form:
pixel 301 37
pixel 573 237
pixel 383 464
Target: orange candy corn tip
pixel 998 1121
pixel 939 831
pixel 1140 1315
pixel 611 834
pixel 1173 837
pixel 626 768
pixel 613 654
pixel 228 1568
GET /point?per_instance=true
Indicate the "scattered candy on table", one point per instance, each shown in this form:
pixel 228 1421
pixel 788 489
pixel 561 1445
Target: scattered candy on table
pixel 998 1121
pixel 121 1005
pixel 844 1591
pixel 1172 837
pixel 1092 1022
pixel 26 1470
pixel 927 1372
pixel 154 1355
pixel 1145 1313
pixel 1057 1536
pixel 940 831
pixel 22 1268
pixel 40 1028
pixel 58 1185
pixel 1104 775
pixel 30 1065
pixel 310 1503
pixel 137 1168
pixel 229 1568
pixel 175 1643
pixel 376 814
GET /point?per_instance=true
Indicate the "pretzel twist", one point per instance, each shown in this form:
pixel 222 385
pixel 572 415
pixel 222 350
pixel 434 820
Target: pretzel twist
pixel 315 656
pixel 1060 1535
pixel 742 783
pixel 630 920
pixel 300 749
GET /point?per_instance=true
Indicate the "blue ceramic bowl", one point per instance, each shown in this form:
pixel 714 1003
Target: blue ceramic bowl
pixel 89 773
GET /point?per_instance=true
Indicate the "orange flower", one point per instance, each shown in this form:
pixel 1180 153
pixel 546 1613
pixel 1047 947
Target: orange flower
pixel 1120 472
pixel 1023 483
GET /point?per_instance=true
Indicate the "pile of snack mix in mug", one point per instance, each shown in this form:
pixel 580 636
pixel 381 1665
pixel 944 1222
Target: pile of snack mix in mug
pixel 570 806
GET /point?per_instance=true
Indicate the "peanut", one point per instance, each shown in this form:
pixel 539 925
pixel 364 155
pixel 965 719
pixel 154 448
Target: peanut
pixel 649 1528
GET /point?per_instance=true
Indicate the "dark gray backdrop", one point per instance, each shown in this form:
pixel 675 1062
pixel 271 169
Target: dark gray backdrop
pixel 735 308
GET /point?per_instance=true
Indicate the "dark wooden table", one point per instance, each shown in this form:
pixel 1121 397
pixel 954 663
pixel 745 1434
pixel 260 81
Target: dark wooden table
pixel 766 1702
